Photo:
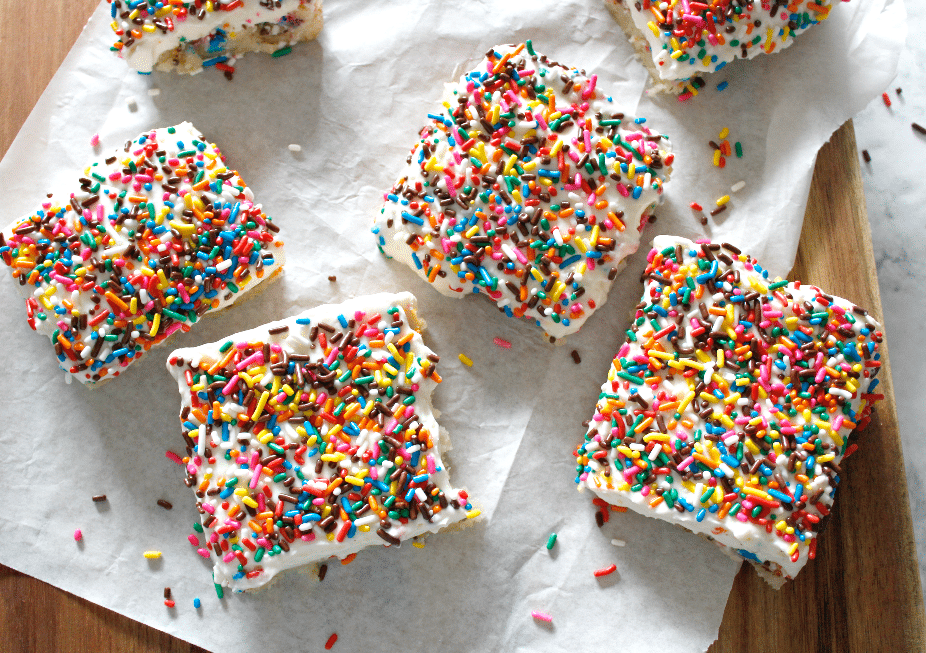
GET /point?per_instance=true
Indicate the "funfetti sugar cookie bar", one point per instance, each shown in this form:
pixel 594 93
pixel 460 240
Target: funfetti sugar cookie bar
pixel 728 409
pixel 144 243
pixel 529 185
pixel 314 436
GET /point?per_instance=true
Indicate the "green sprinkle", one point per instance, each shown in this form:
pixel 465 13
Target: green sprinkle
pixel 282 52
pixel 739 150
pixel 530 51
pixel 630 377
pixel 551 541
pixel 176 316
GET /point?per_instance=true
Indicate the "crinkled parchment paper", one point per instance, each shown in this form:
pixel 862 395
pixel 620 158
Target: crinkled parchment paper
pixel 354 100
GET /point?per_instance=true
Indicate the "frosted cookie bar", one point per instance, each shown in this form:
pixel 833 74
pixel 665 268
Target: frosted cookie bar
pixel 677 41
pixel 314 437
pixel 729 407
pixel 143 244
pixel 529 185
pixel 185 36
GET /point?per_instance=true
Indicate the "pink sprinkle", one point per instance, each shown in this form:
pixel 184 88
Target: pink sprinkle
pixel 203 552
pixel 542 616
pixel 501 342
pixel 193 539
pixel 95 140
pixel 78 536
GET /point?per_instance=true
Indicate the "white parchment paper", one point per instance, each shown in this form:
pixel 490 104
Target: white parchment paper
pixel 354 100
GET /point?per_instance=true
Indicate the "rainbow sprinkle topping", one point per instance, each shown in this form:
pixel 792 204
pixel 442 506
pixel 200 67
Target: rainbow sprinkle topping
pixel 314 437
pixel 148 241
pixel 529 186
pixel 687 37
pixel 729 407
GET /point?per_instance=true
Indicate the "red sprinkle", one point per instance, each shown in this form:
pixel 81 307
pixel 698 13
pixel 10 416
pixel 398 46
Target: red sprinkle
pixel 331 641
pixel 174 457
pixel 606 571
pixel 169 603
pixel 696 206
pixel 501 342
pixel 887 100
pixel 851 450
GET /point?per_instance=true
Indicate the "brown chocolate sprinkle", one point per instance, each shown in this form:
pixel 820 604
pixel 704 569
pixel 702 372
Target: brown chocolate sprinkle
pixel 919 129
pixel 321 572
pixel 167 505
pixel 575 357
pixel 99 497
pixel 332 278
pixel 866 156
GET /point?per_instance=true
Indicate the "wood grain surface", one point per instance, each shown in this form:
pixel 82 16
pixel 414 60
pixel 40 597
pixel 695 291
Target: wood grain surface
pixel 861 594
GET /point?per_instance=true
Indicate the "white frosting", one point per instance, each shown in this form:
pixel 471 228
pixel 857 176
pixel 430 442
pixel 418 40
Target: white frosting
pixel 518 169
pixel 310 542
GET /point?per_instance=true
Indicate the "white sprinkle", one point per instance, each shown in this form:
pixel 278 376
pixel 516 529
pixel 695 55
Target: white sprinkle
pixel 224 265
pixel 617 542
pixel 154 91
pixel 132 103
pixel 738 186
pixel 294 147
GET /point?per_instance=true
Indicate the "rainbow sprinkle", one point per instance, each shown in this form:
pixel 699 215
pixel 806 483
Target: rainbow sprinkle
pixel 529 185
pixel 313 437
pixel 729 407
pixel 149 240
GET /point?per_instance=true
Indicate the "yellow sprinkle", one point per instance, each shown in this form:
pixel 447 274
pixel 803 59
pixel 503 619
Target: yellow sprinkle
pixel 466 360
pixel 260 405
pixel 475 512
pixel 723 133
pixel 418 545
pixel 723 200
pixel 248 501
pixel 152 555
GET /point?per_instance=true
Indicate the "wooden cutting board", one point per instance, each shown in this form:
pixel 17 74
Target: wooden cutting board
pixel 861 594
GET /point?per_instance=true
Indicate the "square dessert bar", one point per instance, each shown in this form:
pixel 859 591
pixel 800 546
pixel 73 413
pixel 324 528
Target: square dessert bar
pixel 143 244
pixel 185 36
pixel 529 185
pixel 729 407
pixel 680 40
pixel 314 437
